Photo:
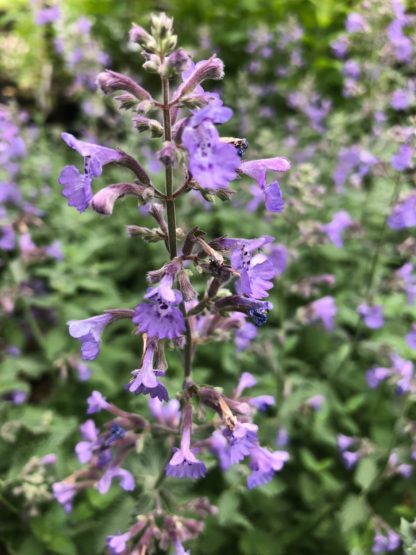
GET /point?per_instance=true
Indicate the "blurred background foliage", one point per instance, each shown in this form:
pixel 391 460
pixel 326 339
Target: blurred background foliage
pixel 316 505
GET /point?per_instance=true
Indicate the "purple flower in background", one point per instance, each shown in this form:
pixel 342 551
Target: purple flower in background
pixel 118 544
pixel 377 375
pixel 282 437
pixel 7 238
pixel 336 227
pixel 405 273
pixel 125 478
pixel 246 380
pixel 350 458
pixel 402 45
pixel 340 47
pixel 324 309
pixel 76 186
pixel 84 449
pixel 344 442
pixel 264 464
pixel 404 214
pixel 241 441
pixel 352 69
pixel 96 403
pixel 47 15
pixel 402 160
pixel 183 463
pixel 355 23
pixel 262 402
pixel 64 493
pixel 159 318
pixel 382 543
pixel 278 256
pixel 404 372
pixel 316 402
pixel 401 99
pixel 88 332
pixel 273 197
pixel 371 315
pixel 212 163
pixel 144 379
pixel 411 337
pixel 244 335
pixel 167 414
pixel 179 549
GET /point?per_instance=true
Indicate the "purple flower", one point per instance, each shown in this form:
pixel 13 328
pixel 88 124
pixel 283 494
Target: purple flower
pixel 404 214
pixel 344 442
pixel 376 375
pixel 50 458
pixel 350 458
pixel 402 160
pixel 244 335
pixel 402 45
pixel 316 402
pixel 404 371
pixel 405 273
pixel 371 315
pixel 263 465
pixel 64 493
pixel 246 380
pixel 334 230
pixel 219 446
pixel 183 463
pixel 257 169
pixel 352 69
pixel 401 99
pixel 382 543
pixel 340 47
pixel 76 186
pixel 167 414
pixel 144 379
pixel 256 272
pixel 125 477
pixel 212 163
pixel 88 332
pixel 47 15
pixel 179 549
pixel 96 402
pixel 84 449
pixel 355 23
pixel 278 256
pixel 282 437
pixel 7 238
pixel 241 441
pixel 262 402
pixel 411 337
pixel 324 309
pixel 118 544
pixel 159 318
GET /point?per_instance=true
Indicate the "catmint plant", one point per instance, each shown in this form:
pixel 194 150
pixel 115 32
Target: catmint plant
pixel 174 311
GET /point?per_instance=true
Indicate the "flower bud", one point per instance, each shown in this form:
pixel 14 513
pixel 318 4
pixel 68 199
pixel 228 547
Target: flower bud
pixel 162 32
pixel 167 155
pixel 103 201
pixel 147 234
pixel 152 64
pixel 143 38
pixel 146 124
pixel 127 101
pixel 144 106
pixel 185 285
pixel 112 81
pixel 177 62
pixel 213 68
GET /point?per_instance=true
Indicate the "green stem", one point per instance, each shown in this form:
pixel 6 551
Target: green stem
pixel 170 201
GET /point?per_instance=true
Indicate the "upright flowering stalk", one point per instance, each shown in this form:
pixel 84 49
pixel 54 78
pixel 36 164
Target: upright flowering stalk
pixel 173 310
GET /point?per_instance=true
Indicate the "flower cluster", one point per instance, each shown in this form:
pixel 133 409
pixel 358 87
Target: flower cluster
pixel 173 311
